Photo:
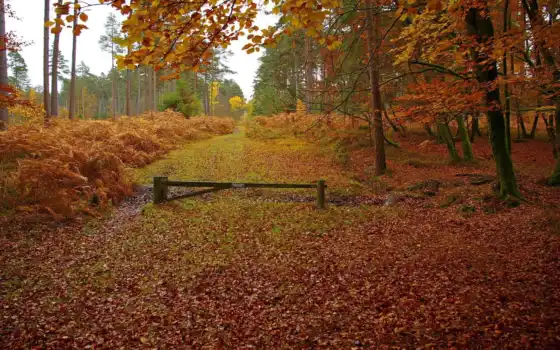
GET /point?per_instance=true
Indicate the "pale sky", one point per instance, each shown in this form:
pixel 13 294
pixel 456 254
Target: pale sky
pixel 30 28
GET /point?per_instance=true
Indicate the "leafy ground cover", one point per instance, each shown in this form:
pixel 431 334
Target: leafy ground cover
pixel 264 269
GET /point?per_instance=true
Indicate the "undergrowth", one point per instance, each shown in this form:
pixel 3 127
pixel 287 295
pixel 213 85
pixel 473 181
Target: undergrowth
pixel 332 128
pixel 78 166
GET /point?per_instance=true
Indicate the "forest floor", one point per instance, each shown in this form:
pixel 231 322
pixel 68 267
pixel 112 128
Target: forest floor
pixel 444 265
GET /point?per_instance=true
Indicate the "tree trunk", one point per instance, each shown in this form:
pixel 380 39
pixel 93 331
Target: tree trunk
pixel 3 66
pixel 113 94
pixel 506 86
pixel 535 17
pixel 72 98
pixel 295 71
pixel 146 90
pixel 138 90
pixel 119 109
pixel 465 140
pixel 429 131
pixel 534 127
pixel 308 75
pixel 522 131
pixel 84 102
pixel 207 101
pixel 549 124
pixel 54 81
pixel 46 88
pixel 475 129
pixel 113 84
pixel 324 86
pixel 487 72
pixel 128 104
pixel 154 91
pixel 555 178
pixel 388 119
pixel 372 38
pixel 446 136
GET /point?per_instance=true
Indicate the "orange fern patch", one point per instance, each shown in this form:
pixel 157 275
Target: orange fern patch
pixel 73 166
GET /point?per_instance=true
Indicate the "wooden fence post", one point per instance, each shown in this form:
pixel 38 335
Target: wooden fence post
pixel 160 189
pixel 321 194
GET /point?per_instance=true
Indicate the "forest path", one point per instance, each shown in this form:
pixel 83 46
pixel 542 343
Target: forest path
pixel 265 269
pixel 237 158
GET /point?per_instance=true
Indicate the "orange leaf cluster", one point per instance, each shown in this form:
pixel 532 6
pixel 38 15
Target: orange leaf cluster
pixel 442 98
pixel 10 97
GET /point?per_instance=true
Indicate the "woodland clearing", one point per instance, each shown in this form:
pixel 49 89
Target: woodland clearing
pixel 443 266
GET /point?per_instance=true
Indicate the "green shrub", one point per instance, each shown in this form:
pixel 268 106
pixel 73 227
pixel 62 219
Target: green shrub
pixel 170 100
pixel 185 103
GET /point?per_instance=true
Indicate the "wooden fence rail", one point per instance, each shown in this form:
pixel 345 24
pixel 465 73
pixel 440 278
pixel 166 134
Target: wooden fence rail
pixel 162 184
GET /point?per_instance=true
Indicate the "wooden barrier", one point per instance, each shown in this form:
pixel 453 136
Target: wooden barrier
pixel 162 184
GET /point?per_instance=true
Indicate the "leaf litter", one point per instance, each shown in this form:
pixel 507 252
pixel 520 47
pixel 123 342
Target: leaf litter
pixel 229 271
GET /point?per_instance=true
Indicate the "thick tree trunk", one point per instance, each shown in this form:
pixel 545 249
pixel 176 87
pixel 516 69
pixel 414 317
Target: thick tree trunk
pixel 54 78
pixel 72 98
pixel 3 66
pixel 487 72
pixel 465 140
pixel 46 88
pixel 373 37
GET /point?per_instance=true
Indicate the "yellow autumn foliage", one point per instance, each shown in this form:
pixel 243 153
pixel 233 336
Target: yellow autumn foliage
pixel 78 166
pixel 300 107
pixel 30 113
